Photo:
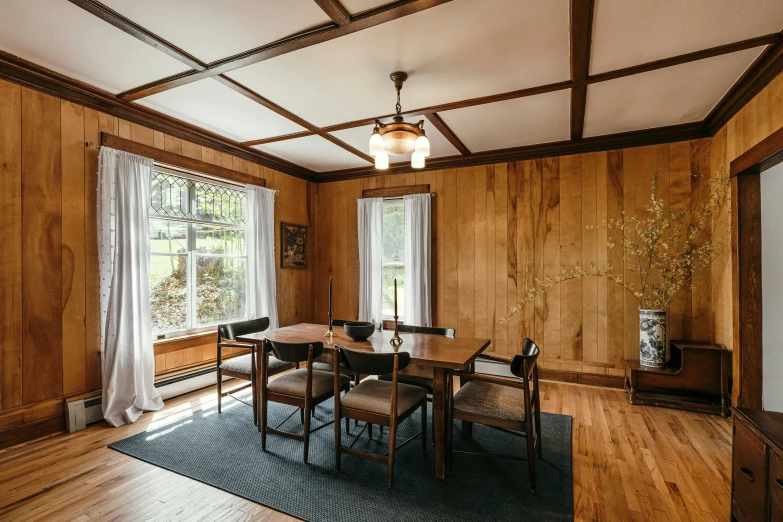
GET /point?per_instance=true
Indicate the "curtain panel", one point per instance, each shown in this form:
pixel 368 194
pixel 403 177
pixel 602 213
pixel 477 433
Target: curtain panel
pixel 418 244
pixel 370 216
pixel 127 354
pixel 261 280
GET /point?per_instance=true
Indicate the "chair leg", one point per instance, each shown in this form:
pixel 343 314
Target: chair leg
pixel 531 456
pixel 307 433
pixel 392 446
pixel 253 401
pixel 369 430
pixel 424 426
pixel 301 415
pixel 262 420
pixel 347 425
pixel 219 388
pixel 467 430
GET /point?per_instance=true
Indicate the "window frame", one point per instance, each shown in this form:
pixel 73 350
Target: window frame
pixel 400 313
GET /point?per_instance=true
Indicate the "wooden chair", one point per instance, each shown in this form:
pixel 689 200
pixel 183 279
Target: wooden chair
pixel 302 388
pixel 415 380
pixel 503 402
pixel 327 367
pixel 377 402
pixel 242 367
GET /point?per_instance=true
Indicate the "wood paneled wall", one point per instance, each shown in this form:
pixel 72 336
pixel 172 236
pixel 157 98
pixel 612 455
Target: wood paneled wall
pixel 49 317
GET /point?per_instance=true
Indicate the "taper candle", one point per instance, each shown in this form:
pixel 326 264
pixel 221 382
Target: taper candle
pixel 330 296
pixel 395 299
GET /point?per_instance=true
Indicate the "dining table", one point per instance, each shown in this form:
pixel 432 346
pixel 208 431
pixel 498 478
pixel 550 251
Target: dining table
pixel 440 353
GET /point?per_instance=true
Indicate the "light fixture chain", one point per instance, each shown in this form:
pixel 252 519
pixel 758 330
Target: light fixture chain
pixel 399 106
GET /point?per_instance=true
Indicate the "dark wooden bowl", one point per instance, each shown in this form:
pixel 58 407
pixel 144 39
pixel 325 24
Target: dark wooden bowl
pixel 359 330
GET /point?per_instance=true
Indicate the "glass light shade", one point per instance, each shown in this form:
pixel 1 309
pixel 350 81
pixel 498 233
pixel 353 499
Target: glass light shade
pixel 422 146
pixel 382 161
pixel 376 143
pixel 399 142
pixel 417 160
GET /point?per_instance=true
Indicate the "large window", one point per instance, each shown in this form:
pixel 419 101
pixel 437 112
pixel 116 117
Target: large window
pixel 393 256
pixel 198 261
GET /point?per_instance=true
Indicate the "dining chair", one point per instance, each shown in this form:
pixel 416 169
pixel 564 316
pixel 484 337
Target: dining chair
pixel 327 367
pixel 377 402
pixel 303 388
pixel 502 402
pixel 242 367
pixel 424 382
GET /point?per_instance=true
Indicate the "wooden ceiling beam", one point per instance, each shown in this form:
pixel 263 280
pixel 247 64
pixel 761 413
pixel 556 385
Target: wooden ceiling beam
pixel 126 25
pixel 335 10
pixel 361 21
pixel 581 25
pixel 444 129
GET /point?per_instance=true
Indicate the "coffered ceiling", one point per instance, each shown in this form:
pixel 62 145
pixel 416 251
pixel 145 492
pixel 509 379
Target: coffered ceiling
pixel 302 80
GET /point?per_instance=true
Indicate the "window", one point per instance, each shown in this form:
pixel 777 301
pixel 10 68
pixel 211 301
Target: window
pixel 197 253
pixel 393 256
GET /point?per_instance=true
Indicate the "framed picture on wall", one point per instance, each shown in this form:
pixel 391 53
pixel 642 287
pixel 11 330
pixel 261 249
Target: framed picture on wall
pixel 293 253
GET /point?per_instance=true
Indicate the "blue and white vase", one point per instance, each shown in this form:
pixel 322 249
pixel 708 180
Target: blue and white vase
pixel 652 338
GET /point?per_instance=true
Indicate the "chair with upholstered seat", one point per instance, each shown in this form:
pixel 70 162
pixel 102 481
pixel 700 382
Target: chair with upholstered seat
pixel 377 402
pixel 416 380
pixel 302 388
pixel 327 367
pixel 241 366
pixel 507 403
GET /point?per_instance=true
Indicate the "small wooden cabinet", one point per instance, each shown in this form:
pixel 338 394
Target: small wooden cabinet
pixel 757 466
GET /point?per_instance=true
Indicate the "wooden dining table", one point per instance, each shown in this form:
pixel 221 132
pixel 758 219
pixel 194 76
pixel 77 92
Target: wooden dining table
pixel 441 354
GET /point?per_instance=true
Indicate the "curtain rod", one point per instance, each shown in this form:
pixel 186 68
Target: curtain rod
pixel 432 195
pixel 92 145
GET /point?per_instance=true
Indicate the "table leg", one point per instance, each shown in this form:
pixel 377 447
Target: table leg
pixel 439 417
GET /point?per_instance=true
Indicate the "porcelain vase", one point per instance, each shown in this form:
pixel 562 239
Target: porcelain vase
pixel 652 338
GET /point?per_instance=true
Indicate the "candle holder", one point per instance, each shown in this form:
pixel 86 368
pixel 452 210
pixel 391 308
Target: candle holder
pixel 395 340
pixel 330 332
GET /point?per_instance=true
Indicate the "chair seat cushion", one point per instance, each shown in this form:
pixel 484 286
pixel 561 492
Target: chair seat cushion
pixel 242 364
pixel 491 400
pixel 375 396
pixel 327 367
pixel 415 380
pixel 295 383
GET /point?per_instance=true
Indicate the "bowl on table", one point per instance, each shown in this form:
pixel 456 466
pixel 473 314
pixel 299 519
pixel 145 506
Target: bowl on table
pixel 359 330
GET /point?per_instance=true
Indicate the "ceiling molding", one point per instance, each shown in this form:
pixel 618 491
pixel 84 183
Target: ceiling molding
pixel 335 10
pixel 688 131
pixel 273 139
pixel 126 25
pixel 28 74
pixel 444 129
pixel 364 20
pixel 581 20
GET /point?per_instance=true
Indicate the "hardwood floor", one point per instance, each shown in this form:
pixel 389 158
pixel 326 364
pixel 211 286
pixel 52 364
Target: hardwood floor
pixel 630 463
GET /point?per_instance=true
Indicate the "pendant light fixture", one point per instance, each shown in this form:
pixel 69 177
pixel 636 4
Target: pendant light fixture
pixel 399 137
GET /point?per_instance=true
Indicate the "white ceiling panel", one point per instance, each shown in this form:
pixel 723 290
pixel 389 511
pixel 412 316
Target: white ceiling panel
pixel 211 30
pixel 680 94
pixel 215 107
pixel 357 6
pixel 359 138
pixel 632 32
pixel 314 153
pixel 543 118
pixel 69 40
pixel 459 50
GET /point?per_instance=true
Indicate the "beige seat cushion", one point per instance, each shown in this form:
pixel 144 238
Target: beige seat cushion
pixel 491 400
pixel 242 364
pixel 375 396
pixel 327 367
pixel 295 383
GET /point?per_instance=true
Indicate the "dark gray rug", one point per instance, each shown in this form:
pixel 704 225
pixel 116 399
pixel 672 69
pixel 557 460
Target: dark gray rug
pixel 224 451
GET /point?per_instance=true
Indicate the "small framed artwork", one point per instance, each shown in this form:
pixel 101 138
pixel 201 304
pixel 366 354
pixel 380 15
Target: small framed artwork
pixel 294 251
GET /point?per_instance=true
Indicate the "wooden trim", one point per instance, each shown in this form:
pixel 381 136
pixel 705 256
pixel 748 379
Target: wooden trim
pixel 176 344
pixel 395 192
pixel 364 20
pixel 177 160
pixel 590 379
pixel 335 10
pixel 444 129
pixel 581 19
pixel 28 74
pixel 126 25
pixel 32 430
pixel 274 139
pixel 622 140
pixel 762 156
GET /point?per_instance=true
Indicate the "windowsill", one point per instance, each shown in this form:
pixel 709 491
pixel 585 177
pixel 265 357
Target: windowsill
pixel 174 344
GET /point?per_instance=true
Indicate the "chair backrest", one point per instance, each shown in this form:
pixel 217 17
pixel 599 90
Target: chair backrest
pixel 529 354
pixel 448 332
pixel 230 331
pixel 372 363
pixel 295 352
pixel 339 322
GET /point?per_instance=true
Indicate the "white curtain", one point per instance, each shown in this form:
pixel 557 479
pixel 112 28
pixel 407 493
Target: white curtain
pixel 127 356
pixel 418 307
pixel 260 245
pixel 370 212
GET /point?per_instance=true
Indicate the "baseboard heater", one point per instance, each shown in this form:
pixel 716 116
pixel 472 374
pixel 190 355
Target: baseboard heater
pixel 83 412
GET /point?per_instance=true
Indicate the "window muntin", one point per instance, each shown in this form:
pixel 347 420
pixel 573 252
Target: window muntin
pixel 393 256
pixel 198 259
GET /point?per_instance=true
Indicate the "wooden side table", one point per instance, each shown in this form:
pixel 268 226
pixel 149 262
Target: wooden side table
pixel 696 378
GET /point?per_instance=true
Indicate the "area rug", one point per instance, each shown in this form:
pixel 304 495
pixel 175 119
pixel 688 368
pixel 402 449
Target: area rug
pixel 224 451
